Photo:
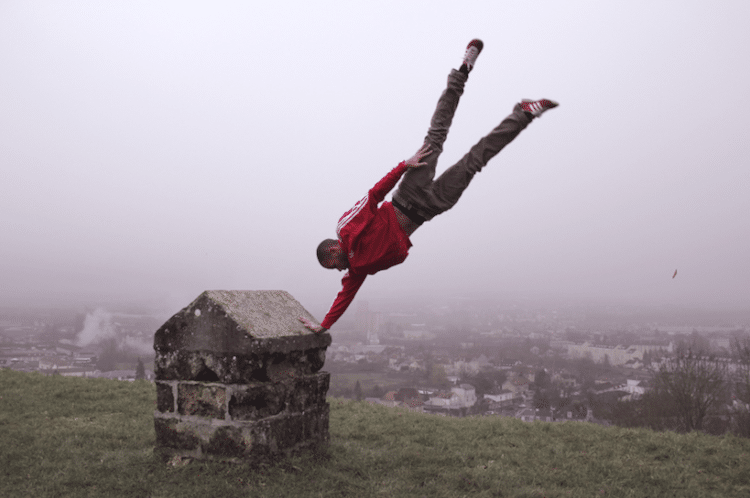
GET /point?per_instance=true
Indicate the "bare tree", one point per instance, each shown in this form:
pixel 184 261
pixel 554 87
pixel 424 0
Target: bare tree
pixel 140 370
pixel 694 384
pixel 741 391
pixel 109 355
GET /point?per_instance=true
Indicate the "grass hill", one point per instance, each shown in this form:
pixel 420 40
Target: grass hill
pixel 94 437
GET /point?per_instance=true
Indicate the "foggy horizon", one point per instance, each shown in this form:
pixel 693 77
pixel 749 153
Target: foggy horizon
pixel 151 152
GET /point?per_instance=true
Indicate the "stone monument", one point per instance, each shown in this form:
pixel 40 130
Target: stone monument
pixel 238 378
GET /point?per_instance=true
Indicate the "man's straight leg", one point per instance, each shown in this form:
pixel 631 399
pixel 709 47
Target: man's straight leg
pixel 447 189
pixel 416 181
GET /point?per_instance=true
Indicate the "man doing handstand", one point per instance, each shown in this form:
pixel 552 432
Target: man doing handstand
pixel 372 238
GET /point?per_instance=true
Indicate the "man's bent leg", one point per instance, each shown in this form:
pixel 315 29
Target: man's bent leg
pixel 415 181
pixel 447 189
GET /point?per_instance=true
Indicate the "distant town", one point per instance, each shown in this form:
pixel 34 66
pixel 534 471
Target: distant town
pixel 532 363
pixel 93 343
pixel 454 358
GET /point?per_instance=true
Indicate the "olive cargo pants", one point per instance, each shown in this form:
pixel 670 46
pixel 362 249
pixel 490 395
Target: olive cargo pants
pixel 418 192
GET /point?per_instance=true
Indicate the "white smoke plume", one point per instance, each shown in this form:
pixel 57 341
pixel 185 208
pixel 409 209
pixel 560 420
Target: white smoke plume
pixel 100 325
pixel 137 345
pixel 96 327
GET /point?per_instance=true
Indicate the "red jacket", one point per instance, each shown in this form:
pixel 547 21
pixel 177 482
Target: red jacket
pixel 373 241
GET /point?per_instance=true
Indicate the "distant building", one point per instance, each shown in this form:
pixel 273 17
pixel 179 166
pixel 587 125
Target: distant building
pixel 565 380
pixel 461 367
pixel 403 398
pixel 634 388
pixel 418 335
pixel 85 356
pixel 501 399
pixel 527 415
pixel 516 384
pixel 73 371
pixel 508 363
pixel 549 415
pixel 455 402
pixel 128 375
pixel 467 395
pixel 615 355
pixel 369 322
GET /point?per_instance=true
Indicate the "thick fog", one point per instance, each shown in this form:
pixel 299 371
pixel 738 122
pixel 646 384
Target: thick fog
pixel 153 150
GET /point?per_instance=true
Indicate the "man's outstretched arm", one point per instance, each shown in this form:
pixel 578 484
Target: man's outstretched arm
pixel 350 286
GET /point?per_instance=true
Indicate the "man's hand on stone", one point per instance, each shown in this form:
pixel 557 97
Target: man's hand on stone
pixel 413 161
pixel 318 329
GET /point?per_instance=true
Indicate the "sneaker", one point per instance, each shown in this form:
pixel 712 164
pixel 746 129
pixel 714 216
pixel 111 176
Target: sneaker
pixel 537 107
pixel 472 52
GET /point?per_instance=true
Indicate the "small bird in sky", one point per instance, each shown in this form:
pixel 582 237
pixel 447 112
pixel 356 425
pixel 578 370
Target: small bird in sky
pixel 675 274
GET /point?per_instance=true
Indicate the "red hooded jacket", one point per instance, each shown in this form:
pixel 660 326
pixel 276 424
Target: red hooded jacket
pixel 372 239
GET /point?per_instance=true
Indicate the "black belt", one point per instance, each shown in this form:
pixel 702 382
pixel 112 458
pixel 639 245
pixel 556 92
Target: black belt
pixel 409 213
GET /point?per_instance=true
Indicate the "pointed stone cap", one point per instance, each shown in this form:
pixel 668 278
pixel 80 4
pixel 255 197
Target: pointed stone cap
pixel 240 322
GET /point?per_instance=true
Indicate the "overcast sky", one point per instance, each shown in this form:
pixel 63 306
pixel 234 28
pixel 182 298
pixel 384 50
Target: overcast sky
pixel 152 150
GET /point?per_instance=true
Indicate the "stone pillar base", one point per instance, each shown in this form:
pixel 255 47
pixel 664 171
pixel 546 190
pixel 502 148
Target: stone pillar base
pixel 263 440
pixel 238 379
pixel 255 421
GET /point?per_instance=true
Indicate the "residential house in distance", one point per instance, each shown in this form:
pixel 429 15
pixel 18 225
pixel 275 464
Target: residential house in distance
pixel 636 388
pixel 616 355
pixel 388 399
pixel 128 375
pixel 548 415
pixel 631 356
pixel 404 398
pixel 455 402
pixel 565 380
pixel 467 395
pixel 526 372
pixel 67 367
pixel 632 389
pixel 531 414
pixel 500 400
pixel 508 363
pixel 517 384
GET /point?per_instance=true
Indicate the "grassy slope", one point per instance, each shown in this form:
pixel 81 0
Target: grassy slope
pixel 94 437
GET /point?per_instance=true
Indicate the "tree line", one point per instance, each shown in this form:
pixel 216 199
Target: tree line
pixel 692 390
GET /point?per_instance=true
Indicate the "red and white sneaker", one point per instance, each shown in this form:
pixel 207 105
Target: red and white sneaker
pixel 472 52
pixel 537 107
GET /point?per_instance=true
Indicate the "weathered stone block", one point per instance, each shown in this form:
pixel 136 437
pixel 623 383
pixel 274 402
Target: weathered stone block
pixel 229 441
pixel 205 366
pixel 172 433
pixel 238 377
pixel 258 400
pixel 283 434
pixel 310 391
pixel 164 397
pixel 264 399
pixel 316 424
pixel 201 400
